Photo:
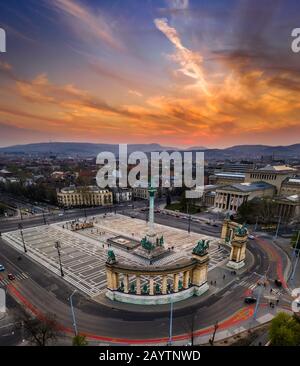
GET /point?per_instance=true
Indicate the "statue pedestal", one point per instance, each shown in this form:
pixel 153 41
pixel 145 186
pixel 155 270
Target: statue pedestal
pixel 235 265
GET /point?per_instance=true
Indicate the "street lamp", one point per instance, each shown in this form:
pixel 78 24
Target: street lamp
pixel 171 323
pixel 216 326
pixel 58 246
pixel 22 237
pixel 278 226
pixel 297 254
pixel 73 313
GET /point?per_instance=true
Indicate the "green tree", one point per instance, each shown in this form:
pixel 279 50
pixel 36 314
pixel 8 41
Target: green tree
pixel 284 330
pixel 79 340
pixel 294 240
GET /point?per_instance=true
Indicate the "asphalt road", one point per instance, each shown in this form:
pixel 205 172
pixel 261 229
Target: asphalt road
pixel 49 293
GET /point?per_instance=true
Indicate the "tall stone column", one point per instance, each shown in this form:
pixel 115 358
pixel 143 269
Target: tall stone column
pixel 175 282
pixel 138 285
pixel 126 283
pixel 151 286
pixel 164 284
pixel 186 277
pixel 109 275
pixel 196 276
pixel 116 280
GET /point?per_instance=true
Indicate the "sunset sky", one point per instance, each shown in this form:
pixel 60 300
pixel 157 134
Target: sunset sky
pixel 209 73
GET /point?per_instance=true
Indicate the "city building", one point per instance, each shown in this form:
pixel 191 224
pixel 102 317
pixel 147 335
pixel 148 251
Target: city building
pixel 273 174
pixel 239 167
pixel 231 197
pixel 84 196
pixel 226 178
pixel 140 193
pixel 290 186
pixel 122 194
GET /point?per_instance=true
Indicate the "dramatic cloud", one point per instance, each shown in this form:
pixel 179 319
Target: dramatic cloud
pixel 87 23
pixel 119 71
pixel 189 61
pixel 178 4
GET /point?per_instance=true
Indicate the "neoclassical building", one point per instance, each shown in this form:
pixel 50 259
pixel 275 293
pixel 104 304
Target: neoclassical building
pixel 84 196
pixel 154 285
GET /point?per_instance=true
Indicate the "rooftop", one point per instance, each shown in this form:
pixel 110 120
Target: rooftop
pixel 295 180
pixel 73 189
pixel 248 187
pixel 277 168
pixel 230 174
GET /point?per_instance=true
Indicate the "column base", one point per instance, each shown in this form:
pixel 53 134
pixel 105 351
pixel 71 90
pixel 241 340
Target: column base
pixel 157 299
pixel 235 265
pixel 201 289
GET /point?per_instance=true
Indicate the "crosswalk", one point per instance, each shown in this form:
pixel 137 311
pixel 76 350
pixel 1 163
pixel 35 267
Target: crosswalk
pixel 18 277
pixel 249 282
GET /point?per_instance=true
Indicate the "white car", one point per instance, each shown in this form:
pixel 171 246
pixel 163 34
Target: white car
pixel 251 237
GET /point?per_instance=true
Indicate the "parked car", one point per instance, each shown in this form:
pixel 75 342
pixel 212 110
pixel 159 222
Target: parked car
pixel 251 237
pixel 2 268
pixel 250 300
pixel 11 277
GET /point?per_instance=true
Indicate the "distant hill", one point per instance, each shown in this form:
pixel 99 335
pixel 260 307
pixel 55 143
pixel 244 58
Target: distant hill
pixel 77 148
pixel 91 150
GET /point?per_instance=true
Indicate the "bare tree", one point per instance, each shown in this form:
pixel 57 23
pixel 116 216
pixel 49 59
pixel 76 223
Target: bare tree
pixel 40 330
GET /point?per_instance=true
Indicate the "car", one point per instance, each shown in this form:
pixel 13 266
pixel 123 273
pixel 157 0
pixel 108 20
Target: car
pixel 11 277
pixel 278 283
pixel 250 300
pixel 2 268
pixel 251 237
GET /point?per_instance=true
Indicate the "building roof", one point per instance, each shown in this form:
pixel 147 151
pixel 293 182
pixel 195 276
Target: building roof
pixel 295 198
pixel 73 189
pixel 277 168
pixel 247 187
pixel 295 180
pixel 230 174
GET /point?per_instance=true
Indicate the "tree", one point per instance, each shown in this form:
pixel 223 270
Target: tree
pixel 284 330
pixel 40 330
pixel 169 201
pixel 79 340
pixel 265 209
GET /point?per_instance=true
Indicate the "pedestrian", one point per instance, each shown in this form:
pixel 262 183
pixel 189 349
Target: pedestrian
pixel 224 277
pixel 271 290
pixel 215 282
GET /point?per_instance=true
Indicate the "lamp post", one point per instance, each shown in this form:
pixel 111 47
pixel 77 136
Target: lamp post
pixel 296 253
pixel 171 323
pixel 58 246
pixel 216 326
pixel 278 226
pixel 73 313
pixel 22 237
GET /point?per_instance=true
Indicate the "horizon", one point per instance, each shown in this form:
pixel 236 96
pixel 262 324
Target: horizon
pixel 173 71
pixel 148 143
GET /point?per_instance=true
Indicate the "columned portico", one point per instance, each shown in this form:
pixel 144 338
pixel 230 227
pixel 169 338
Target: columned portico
pixel 150 285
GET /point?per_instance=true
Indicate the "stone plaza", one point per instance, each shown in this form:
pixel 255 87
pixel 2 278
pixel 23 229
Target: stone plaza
pixel 84 252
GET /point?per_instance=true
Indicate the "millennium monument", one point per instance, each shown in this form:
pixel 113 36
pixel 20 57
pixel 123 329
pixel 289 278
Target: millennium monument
pixel 153 284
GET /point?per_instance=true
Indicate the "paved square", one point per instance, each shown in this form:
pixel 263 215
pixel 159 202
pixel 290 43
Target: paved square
pixel 84 252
